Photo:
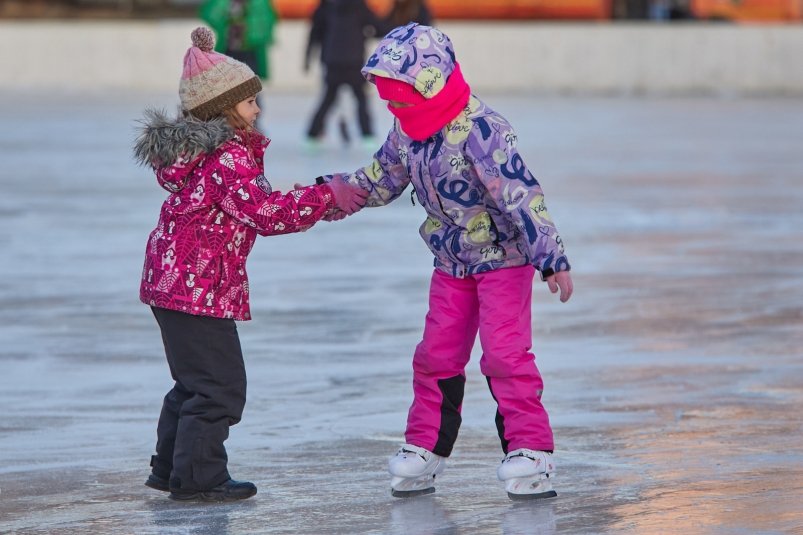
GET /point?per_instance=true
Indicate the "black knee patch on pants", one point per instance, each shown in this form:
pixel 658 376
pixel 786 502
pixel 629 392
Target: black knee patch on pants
pixel 452 390
pixel 500 421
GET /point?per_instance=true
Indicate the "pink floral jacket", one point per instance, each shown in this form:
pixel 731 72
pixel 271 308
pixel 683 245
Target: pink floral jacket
pixel 219 201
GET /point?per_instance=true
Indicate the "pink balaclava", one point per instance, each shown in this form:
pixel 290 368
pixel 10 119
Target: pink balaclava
pixel 425 117
pixel 390 89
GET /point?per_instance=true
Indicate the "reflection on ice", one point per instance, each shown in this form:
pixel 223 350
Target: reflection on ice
pixel 530 518
pixel 422 515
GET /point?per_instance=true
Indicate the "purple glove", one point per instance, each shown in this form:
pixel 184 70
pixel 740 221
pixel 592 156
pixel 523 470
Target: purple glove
pixel 348 199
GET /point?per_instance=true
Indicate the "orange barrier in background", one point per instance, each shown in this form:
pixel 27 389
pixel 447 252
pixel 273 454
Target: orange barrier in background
pixel 476 9
pixel 748 10
pixel 734 10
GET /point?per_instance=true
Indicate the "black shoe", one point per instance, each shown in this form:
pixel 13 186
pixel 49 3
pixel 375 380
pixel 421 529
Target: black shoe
pixel 158 483
pixel 228 491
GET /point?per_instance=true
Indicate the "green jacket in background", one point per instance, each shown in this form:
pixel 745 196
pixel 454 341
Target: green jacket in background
pixel 260 18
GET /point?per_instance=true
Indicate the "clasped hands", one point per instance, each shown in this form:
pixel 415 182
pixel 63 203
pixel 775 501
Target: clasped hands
pixel 348 199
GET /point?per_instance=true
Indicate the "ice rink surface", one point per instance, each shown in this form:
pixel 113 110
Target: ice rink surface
pixel 673 376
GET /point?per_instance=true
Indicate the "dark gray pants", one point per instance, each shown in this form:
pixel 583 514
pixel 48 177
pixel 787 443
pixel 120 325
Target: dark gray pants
pixel 336 76
pixel 208 397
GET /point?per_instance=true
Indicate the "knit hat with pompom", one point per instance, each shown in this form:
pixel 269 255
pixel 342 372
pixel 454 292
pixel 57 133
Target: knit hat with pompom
pixel 212 82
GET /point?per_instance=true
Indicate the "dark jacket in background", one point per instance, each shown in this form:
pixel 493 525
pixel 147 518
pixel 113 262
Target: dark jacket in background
pixel 403 13
pixel 340 28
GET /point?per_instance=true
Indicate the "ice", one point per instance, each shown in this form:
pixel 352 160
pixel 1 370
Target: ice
pixel 672 376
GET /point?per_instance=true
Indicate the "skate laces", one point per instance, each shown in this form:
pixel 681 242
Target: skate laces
pixel 537 456
pixel 523 452
pixel 421 452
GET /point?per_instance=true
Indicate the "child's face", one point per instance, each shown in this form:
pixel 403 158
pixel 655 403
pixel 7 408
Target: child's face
pixel 397 104
pixel 248 110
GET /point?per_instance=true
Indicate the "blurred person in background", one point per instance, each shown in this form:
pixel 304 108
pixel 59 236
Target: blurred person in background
pixel 652 9
pixel 406 11
pixel 244 30
pixel 340 28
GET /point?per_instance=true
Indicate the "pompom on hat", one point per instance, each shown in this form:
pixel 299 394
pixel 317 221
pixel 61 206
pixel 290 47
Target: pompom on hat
pixel 212 82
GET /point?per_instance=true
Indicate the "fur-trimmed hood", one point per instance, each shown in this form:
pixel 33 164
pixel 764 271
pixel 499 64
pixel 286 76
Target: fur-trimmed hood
pixel 173 147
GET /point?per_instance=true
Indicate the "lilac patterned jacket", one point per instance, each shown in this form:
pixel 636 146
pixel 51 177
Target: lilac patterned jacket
pixel 485 210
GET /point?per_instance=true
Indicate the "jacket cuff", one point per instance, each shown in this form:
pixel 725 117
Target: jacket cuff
pixel 327 194
pixel 548 272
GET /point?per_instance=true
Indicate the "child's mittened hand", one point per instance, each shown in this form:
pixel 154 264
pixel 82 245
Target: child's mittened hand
pixel 563 281
pixel 348 198
pixel 335 215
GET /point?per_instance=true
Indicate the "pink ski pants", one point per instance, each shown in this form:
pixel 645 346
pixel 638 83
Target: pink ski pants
pixel 497 304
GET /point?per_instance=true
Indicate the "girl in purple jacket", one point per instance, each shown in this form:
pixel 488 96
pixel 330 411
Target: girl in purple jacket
pixel 210 160
pixel 489 230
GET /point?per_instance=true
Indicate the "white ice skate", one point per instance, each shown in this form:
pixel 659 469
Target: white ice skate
pixel 414 470
pixel 526 474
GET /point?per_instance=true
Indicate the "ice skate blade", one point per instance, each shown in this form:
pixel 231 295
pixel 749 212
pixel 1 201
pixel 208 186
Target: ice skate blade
pixel 407 487
pixel 528 497
pixel 530 488
pixel 411 493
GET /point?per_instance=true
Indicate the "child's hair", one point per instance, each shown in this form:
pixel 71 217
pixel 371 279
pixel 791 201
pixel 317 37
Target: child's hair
pixel 404 11
pixel 235 120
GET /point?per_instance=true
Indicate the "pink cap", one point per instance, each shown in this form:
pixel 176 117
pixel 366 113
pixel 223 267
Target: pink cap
pixel 396 90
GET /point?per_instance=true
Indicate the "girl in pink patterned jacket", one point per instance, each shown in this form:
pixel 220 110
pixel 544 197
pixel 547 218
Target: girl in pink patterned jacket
pixel 210 159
